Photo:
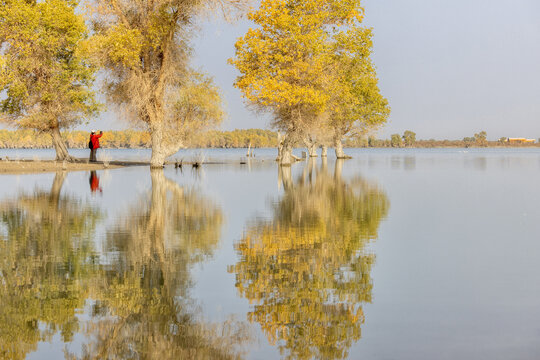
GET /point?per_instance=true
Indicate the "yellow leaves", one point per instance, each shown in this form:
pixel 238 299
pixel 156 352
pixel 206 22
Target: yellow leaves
pixel 123 45
pixel 196 105
pixel 283 64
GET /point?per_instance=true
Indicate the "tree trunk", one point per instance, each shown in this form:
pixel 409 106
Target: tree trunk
pixel 60 146
pixel 338 146
pixel 279 146
pixel 324 151
pixel 286 154
pixel 158 152
pixel 312 149
pixel 311 146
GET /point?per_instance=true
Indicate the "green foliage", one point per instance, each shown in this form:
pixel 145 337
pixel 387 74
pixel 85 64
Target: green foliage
pixel 409 138
pixel 357 104
pixel 395 140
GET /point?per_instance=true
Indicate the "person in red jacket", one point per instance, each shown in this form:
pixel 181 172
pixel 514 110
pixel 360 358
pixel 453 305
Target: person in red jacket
pixel 93 144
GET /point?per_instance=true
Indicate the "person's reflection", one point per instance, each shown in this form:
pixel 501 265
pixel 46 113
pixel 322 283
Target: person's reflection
pixel 94 183
pixel 308 270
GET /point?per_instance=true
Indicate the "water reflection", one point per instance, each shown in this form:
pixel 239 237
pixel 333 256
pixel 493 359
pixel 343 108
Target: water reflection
pixel 134 291
pixel 142 305
pixel 94 182
pixel 46 258
pixel 307 269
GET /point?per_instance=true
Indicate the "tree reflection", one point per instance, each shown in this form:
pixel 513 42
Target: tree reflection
pixel 142 308
pixel 307 269
pixel 45 255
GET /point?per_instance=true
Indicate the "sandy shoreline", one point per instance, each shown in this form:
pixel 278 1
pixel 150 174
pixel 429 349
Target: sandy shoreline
pixel 38 166
pixel 25 166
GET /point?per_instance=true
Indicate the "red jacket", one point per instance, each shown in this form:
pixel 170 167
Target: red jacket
pixel 95 140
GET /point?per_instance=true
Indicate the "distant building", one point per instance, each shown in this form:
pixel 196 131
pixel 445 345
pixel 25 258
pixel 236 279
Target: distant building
pixel 521 141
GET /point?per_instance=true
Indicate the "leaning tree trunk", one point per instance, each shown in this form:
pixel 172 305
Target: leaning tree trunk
pixel 324 151
pixel 60 146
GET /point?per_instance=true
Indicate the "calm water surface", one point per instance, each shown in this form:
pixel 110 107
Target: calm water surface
pixel 395 254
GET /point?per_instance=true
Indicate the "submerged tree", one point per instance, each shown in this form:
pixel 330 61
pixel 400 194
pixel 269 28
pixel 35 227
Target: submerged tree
pixel 284 63
pixel 308 64
pixel 45 73
pixel 46 259
pixel 144 46
pixel 308 270
pixel 357 105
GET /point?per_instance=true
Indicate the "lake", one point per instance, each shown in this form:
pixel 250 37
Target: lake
pixel 394 254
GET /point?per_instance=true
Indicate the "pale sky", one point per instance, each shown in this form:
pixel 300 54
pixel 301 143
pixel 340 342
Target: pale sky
pixel 448 68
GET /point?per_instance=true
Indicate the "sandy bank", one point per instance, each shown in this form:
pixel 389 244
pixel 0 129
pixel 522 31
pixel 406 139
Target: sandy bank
pixel 36 166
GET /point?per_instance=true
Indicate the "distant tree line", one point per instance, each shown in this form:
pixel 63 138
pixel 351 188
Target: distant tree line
pixel 132 139
pixel 408 139
pixel 257 138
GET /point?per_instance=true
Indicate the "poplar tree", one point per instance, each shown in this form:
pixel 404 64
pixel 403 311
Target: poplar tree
pixel 144 48
pixel 357 105
pixel 45 72
pixel 304 65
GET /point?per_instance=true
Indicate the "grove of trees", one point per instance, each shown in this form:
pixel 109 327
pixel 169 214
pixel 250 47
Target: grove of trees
pixel 308 64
